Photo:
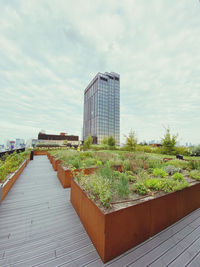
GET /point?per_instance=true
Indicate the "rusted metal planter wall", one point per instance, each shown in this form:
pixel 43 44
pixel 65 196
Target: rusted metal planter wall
pixel 40 153
pixel 65 175
pixel 55 163
pixel 6 186
pixel 116 232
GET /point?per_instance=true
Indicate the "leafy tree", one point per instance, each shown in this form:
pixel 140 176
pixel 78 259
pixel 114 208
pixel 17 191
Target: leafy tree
pixel 169 142
pixel 105 141
pixel 131 141
pixel 88 142
pixel 111 141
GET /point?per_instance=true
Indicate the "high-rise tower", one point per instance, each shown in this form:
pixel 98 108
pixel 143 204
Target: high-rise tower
pixel 102 107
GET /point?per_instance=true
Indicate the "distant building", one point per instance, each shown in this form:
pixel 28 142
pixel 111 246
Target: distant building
pixel 19 143
pixel 102 108
pixel 10 144
pixel 72 140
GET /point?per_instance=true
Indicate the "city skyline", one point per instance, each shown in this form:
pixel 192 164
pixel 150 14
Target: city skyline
pixel 49 51
pixel 102 108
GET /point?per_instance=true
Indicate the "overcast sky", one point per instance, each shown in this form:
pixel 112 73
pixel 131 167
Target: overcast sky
pixel 51 49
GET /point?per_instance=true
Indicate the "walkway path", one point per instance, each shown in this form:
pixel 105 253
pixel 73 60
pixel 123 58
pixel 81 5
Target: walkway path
pixel 39 227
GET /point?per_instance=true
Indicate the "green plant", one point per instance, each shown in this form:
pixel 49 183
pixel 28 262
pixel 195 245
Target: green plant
pixel 131 141
pixel 168 142
pixel 140 188
pixel 154 183
pixel 170 169
pixel 178 177
pixel 88 141
pixel 157 172
pixel 194 165
pixel 169 185
pixel 195 174
pixel 111 141
pixel 126 165
pixel 123 185
pixel 195 150
pixel 178 163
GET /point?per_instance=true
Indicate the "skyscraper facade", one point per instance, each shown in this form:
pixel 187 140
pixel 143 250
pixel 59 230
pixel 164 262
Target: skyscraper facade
pixel 102 107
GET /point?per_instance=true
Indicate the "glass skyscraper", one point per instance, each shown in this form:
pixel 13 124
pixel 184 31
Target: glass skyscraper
pixel 102 107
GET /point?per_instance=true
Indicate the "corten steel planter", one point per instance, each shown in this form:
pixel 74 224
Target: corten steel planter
pixel 65 174
pixel 7 184
pixel 40 153
pixel 50 158
pixel 55 163
pixel 115 232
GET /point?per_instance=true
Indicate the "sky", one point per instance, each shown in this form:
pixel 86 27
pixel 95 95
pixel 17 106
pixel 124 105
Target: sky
pixel 50 50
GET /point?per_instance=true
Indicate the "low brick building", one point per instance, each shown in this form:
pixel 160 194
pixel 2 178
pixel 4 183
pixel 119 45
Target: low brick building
pixel 72 140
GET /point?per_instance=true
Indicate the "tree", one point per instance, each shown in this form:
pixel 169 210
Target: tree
pixel 169 142
pixel 88 142
pixel 131 141
pixel 111 141
pixel 105 141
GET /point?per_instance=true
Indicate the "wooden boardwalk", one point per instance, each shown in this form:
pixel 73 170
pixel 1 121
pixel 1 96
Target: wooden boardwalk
pixel 39 227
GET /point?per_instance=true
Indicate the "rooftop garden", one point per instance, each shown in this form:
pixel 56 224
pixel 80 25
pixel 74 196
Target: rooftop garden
pixel 143 176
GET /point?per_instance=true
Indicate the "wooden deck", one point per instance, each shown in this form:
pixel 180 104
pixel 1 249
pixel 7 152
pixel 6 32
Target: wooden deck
pixel 39 227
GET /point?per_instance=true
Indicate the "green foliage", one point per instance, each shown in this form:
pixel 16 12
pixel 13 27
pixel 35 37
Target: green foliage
pixel 195 174
pixel 178 177
pixel 111 141
pixel 159 173
pixel 126 165
pixel 154 184
pixel 96 186
pixel 170 169
pixel 178 163
pixel 155 163
pixel 169 185
pixel 195 150
pixel 105 141
pixel 11 163
pixel 130 176
pixel 194 165
pixel 131 141
pixel 87 143
pixel 122 185
pixel 168 142
pixel 140 188
pixel 181 150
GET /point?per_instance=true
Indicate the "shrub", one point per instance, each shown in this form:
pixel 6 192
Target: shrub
pixel 170 169
pixel 179 163
pixel 169 185
pixel 178 177
pixel 169 142
pixel 88 141
pixel 157 172
pixel 194 165
pixel 195 150
pixel 140 188
pixel 195 174
pixel 130 176
pixel 154 183
pixel 131 141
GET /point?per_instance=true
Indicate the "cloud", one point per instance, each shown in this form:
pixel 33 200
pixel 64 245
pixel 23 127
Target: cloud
pixel 51 50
